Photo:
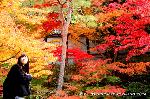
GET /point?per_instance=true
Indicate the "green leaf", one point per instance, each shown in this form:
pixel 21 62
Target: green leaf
pixel 40 1
pixel 5 65
pixel 90 20
pixel 28 3
pixel 92 24
pixel 138 87
pixel 81 3
pixel 113 79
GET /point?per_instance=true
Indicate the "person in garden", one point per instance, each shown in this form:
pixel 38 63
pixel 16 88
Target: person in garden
pixel 16 84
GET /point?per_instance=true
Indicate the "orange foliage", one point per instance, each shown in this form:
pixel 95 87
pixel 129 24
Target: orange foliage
pixel 3 71
pixel 131 68
pixel 95 70
pixel 92 71
pixel 107 19
pixel 71 88
pixel 87 10
pixel 63 95
pixel 1 90
pixel 107 90
pixel 76 77
pixel 14 40
pixel 78 30
pixel 97 2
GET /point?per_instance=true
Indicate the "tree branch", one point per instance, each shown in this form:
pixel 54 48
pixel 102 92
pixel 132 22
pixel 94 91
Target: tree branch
pixel 1 45
pixel 61 3
pixel 10 57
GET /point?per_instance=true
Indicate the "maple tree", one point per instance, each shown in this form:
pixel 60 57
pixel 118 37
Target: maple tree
pixel 102 67
pixel 115 24
pixel 52 22
pixel 130 68
pixel 118 25
pixel 90 72
pixel 14 41
pixel 75 53
pixel 65 25
pixel 96 73
pixel 130 28
pixel 110 90
pixel 63 95
pixel 62 20
pixel 83 23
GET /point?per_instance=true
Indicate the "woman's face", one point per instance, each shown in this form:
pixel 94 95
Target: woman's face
pixel 24 60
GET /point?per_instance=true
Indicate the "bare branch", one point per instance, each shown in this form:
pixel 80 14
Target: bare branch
pixel 1 45
pixel 64 2
pixel 61 3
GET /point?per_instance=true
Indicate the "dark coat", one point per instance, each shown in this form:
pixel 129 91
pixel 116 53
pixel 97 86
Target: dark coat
pixel 16 83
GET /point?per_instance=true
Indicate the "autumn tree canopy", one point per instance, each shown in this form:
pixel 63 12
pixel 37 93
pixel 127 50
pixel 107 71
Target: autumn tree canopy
pixel 15 38
pixel 125 26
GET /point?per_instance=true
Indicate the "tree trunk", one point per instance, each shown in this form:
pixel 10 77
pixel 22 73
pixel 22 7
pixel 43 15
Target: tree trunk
pixel 64 46
pixel 87 45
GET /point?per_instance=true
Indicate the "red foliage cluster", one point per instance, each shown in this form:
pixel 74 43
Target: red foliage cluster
pixel 49 66
pixel 3 71
pixel 71 87
pixel 52 22
pixel 131 33
pixel 92 66
pixel 50 4
pixel 75 53
pixel 96 2
pixel 1 90
pixel 63 95
pixel 107 90
pixel 94 70
pixel 91 71
pixel 44 5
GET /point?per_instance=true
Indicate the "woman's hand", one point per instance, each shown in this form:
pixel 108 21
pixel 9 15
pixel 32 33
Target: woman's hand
pixel 29 76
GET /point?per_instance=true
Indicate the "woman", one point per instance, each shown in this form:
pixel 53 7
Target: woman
pixel 16 84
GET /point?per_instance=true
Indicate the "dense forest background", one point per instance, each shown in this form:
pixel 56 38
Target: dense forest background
pixel 108 56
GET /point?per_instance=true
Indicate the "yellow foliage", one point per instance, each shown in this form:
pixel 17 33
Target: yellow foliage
pixel 12 41
pixel 14 8
pixel 105 17
pixel 78 30
pixel 42 72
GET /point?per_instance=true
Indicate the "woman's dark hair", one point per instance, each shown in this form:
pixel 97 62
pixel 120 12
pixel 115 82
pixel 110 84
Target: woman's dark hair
pixel 26 66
